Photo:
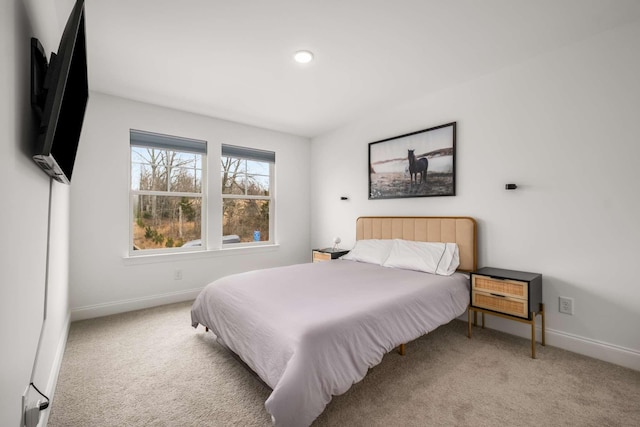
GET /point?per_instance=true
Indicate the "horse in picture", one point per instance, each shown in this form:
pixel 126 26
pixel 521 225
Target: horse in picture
pixel 418 166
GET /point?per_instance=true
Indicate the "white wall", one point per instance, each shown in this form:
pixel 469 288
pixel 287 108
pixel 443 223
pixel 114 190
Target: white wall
pixel 103 280
pixel 24 217
pixel 564 127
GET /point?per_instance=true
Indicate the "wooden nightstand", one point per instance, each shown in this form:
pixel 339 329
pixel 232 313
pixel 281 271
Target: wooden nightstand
pixel 514 295
pixel 327 254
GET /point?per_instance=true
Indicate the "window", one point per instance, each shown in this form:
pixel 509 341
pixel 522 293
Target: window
pixel 167 194
pixel 247 194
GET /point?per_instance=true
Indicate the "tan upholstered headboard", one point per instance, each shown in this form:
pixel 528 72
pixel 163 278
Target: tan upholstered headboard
pixel 460 230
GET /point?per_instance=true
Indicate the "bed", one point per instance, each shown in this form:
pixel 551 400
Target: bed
pixel 310 331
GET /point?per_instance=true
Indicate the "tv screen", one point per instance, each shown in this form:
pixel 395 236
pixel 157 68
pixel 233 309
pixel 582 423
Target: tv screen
pixel 59 97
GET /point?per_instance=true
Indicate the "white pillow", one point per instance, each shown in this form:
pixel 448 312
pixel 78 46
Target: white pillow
pixel 430 257
pixel 372 251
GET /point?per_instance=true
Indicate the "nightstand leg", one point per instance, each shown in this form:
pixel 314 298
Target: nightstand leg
pixel 482 320
pixel 533 335
pixel 469 322
pixel 542 315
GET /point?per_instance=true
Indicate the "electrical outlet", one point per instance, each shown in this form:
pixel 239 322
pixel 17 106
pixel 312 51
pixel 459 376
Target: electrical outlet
pixel 32 415
pixel 30 409
pixel 566 305
pixel 177 275
pixel 24 405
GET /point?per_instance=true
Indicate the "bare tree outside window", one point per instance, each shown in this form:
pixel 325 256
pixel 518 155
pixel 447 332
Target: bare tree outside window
pixel 246 198
pixel 168 194
pixel 166 197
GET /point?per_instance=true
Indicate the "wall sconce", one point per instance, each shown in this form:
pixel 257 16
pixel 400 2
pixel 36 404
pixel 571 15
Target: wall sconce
pixel 510 187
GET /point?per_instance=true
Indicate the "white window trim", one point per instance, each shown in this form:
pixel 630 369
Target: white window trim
pixel 148 258
pixel 212 217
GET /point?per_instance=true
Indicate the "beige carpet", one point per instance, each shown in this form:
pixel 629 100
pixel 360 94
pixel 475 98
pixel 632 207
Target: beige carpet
pixel 150 368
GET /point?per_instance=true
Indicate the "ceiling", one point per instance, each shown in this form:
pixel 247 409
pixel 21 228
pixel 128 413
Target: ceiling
pixel 233 59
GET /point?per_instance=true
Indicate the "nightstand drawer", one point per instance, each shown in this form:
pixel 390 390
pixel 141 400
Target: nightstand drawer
pixel 327 254
pixel 506 287
pixel 321 256
pixel 503 304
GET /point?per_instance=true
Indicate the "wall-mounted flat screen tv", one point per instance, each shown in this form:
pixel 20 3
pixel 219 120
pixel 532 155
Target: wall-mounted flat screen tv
pixel 59 95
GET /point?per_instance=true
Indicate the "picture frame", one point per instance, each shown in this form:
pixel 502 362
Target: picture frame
pixel 417 164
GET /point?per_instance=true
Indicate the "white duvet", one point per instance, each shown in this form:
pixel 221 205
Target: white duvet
pixel 310 331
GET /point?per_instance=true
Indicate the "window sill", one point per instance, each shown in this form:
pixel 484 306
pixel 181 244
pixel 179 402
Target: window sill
pixel 191 255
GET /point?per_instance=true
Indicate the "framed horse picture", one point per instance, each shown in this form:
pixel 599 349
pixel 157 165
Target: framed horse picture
pixel 418 164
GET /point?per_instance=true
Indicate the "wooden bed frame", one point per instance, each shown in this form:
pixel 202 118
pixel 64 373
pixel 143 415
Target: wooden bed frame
pixel 443 229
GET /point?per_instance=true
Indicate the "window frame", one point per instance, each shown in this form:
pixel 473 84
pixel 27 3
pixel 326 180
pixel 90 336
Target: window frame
pixel 252 154
pixel 158 141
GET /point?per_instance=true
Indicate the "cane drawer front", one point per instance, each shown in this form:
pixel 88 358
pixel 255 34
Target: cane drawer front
pixel 502 287
pixel 321 256
pixel 500 303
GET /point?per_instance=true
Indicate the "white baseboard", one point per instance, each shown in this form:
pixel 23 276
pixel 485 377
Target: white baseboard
pixel 608 352
pixel 115 307
pixel 601 350
pixel 55 370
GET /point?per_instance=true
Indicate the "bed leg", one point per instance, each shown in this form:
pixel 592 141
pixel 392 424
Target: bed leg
pixel 206 329
pixel 401 349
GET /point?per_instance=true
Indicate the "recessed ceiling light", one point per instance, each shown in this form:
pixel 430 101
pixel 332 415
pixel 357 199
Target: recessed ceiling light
pixel 303 56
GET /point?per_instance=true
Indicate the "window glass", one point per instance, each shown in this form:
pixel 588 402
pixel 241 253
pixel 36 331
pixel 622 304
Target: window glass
pixel 167 198
pixel 245 219
pixel 247 204
pixel 166 221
